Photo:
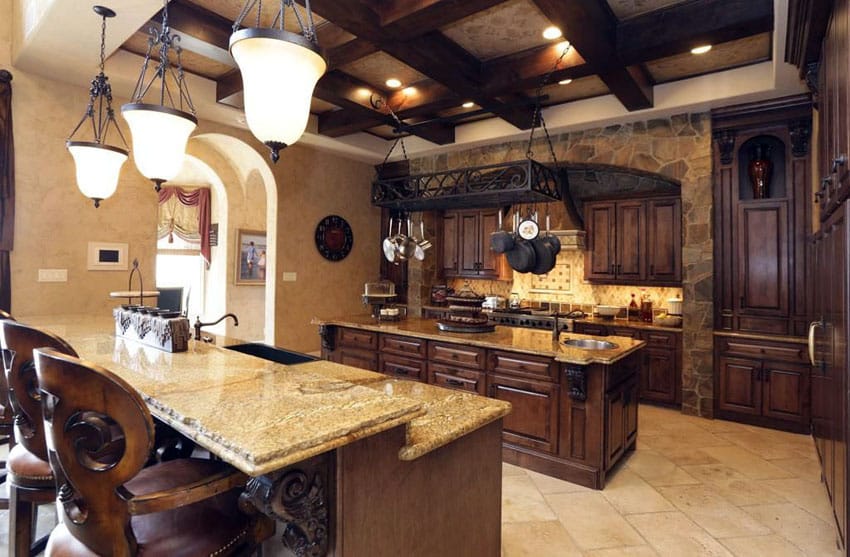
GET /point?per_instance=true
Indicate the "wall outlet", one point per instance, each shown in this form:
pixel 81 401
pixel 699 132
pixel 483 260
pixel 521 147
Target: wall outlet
pixel 53 275
pixel 289 277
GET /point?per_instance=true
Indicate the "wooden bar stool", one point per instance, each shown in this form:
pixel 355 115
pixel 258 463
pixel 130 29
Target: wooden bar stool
pixel 7 432
pixel 99 434
pixel 30 479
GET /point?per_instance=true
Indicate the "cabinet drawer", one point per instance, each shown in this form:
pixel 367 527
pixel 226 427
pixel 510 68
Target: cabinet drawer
pixel 457 378
pixel 525 365
pixel 660 339
pixel 356 338
pixel 403 368
pixel 623 332
pixel 591 329
pixel 404 346
pixel 364 359
pixel 456 354
pixel 764 351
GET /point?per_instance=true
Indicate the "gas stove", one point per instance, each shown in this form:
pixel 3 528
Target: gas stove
pixel 530 319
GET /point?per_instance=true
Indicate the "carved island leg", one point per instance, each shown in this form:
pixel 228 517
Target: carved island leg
pixel 299 498
pixel 577 381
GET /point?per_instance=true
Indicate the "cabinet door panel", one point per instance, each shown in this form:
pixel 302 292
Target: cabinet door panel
pixel 630 412
pixel 601 257
pixel 468 242
pixel 615 432
pixel 631 240
pixel 664 240
pixel 533 421
pixel 785 391
pixel 487 258
pixel 451 252
pixel 740 387
pixel 658 381
pixel 763 258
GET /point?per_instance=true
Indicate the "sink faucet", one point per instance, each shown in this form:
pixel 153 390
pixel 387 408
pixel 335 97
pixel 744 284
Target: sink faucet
pixel 555 327
pixel 198 323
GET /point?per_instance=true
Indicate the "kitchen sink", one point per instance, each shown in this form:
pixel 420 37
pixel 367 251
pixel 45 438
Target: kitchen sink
pixel 272 353
pixel 590 344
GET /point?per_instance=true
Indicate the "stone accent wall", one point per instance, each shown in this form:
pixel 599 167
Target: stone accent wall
pixel 678 147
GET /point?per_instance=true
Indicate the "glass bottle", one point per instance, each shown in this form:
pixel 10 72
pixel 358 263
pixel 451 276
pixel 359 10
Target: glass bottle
pixel 514 301
pixel 634 311
pixel 645 306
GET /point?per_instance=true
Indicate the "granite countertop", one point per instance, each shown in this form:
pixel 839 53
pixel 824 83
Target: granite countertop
pixel 516 339
pixel 643 325
pixel 761 336
pixel 261 416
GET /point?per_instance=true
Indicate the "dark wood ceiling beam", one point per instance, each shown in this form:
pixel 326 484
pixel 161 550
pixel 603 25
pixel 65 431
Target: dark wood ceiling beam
pixel 681 27
pixel 590 26
pixel 348 52
pixel 403 19
pixel 523 71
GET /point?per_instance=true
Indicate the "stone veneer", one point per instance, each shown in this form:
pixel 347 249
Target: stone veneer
pixel 678 147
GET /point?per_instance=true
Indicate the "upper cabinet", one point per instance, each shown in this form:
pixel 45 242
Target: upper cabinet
pixel 466 245
pixel 634 241
pixel 761 216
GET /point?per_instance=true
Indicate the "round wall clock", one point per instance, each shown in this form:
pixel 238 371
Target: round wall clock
pixel 334 238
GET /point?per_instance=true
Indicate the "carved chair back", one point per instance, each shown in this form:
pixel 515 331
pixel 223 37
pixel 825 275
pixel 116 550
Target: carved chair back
pixel 5 406
pixel 99 434
pixel 18 341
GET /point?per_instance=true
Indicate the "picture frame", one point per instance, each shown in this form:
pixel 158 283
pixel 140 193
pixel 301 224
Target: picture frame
pixel 251 257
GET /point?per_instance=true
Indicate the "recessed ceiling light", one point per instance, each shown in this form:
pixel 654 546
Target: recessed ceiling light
pixel 551 33
pixel 409 91
pixel 565 82
pixel 468 104
pixel 393 83
pixel 364 93
pixel 701 49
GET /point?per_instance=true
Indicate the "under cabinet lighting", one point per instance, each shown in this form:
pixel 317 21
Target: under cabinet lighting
pixel 565 82
pixel 409 91
pixel 552 33
pixel 701 49
pixel 468 104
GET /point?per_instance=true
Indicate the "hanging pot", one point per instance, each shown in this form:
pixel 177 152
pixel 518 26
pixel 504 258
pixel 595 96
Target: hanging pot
pixel 522 257
pixel 501 241
pixel 544 258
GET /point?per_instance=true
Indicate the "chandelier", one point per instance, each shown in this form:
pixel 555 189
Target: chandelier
pixel 160 131
pixel 279 69
pixel 98 163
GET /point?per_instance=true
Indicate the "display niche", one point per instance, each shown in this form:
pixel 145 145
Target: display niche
pixel 761 169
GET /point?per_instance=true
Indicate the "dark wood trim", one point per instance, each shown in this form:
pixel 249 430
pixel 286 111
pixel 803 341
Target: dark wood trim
pixel 807 24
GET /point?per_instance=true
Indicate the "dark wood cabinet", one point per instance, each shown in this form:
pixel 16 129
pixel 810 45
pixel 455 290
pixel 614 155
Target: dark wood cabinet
pixel 466 244
pixel 661 360
pixel 635 241
pixel 762 263
pixel 533 421
pixel 763 382
pixel 621 419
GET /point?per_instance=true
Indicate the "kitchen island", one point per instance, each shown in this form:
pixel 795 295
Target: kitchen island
pixel 574 410
pixel 351 462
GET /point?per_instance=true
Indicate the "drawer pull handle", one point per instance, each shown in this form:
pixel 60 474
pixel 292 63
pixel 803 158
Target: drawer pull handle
pixel 454 382
pixel 401 371
pixel 812 327
pixel 841 160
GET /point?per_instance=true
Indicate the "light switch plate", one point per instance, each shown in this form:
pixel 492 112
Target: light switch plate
pixel 53 275
pixel 289 277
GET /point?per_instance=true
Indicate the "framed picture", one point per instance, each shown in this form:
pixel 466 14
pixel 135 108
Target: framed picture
pixel 250 257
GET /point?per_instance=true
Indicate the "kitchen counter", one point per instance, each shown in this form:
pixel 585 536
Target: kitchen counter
pixel 243 408
pixel 529 341
pixel 642 325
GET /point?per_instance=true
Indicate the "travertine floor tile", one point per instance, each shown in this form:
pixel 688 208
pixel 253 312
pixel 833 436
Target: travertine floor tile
pixel 733 485
pixel 801 467
pixel 521 502
pixel 806 531
pixel 663 443
pixel 629 494
pixel 682 457
pixel 511 470
pixel 809 496
pixel 746 462
pixel 762 546
pixel 592 521
pixel 634 551
pixel 537 539
pixel 674 534
pixel 715 514
pixel 547 484
pixel 657 469
pixel 767 446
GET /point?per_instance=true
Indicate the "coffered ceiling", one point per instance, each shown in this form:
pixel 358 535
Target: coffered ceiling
pixel 487 52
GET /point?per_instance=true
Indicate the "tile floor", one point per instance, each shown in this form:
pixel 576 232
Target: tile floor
pixel 693 487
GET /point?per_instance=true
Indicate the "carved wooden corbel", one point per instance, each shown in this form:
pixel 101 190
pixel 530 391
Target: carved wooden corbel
pixel 577 378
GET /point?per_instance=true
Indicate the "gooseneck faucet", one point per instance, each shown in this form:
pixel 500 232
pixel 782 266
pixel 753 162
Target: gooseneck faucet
pixel 198 323
pixel 556 332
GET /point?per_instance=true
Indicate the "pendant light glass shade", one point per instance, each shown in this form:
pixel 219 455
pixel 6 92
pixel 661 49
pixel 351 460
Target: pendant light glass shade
pixel 98 167
pixel 97 163
pixel 159 135
pixel 279 73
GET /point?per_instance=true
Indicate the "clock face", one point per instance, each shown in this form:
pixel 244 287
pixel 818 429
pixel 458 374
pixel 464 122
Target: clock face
pixel 334 238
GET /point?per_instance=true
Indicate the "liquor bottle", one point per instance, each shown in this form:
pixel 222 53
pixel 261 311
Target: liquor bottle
pixel 633 311
pixel 645 306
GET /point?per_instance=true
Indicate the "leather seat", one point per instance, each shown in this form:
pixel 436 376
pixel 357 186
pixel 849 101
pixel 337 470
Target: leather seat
pixel 100 435
pixel 27 470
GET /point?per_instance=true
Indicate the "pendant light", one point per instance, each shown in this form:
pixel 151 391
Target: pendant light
pixel 279 72
pixel 160 131
pixel 98 164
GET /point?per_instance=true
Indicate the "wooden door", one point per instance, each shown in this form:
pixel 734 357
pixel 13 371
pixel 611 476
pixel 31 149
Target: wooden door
pixel 658 375
pixel 740 386
pixel 533 421
pixel 449 266
pixel 468 243
pixel 762 261
pixel 631 240
pixel 601 256
pixel 664 240
pixel 785 391
pixel 488 222
pixel 615 433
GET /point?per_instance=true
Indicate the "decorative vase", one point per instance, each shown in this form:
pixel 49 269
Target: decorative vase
pixel 760 169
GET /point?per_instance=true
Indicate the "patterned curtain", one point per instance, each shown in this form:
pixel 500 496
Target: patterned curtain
pixel 186 213
pixel 7 189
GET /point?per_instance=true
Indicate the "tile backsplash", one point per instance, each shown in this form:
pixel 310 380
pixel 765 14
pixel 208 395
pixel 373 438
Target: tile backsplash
pixel 565 284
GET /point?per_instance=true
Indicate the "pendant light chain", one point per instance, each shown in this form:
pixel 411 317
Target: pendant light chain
pixel 538 113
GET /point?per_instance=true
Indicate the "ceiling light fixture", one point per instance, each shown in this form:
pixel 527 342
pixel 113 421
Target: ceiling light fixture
pixel 160 131
pixel 468 104
pixel 279 73
pixel 409 91
pixel 565 82
pixel 563 47
pixel 551 33
pixel 98 163
pixel 701 49
pixel 393 83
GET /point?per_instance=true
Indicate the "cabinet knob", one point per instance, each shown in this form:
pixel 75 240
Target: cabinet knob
pixel 840 160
